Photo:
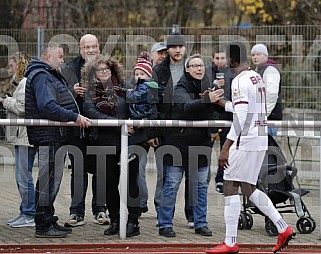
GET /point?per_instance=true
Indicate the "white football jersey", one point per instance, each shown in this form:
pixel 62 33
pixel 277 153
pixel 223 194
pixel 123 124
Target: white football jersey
pixel 249 128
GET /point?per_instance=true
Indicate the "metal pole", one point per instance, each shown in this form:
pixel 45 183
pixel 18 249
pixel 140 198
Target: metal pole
pixel 123 181
pixel 40 39
pixel 320 184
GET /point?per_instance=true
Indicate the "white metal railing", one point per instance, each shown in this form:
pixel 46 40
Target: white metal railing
pixel 290 124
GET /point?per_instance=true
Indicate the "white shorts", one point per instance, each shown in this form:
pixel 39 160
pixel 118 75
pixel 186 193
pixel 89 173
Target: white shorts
pixel 244 166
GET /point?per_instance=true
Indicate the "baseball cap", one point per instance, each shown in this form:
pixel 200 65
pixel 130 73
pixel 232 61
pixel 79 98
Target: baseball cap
pixel 158 46
pixel 175 39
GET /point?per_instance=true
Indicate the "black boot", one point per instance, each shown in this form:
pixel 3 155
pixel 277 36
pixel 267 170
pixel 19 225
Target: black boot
pixel 132 229
pixel 113 228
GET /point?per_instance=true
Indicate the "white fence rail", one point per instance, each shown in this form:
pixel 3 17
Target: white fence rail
pixel 297 128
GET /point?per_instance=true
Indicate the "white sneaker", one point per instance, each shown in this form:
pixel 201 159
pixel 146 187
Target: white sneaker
pixel 14 219
pixel 190 223
pixel 23 221
pixel 74 221
pixel 219 188
pixel 101 218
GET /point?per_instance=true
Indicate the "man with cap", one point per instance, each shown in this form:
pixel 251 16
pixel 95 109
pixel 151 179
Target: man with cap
pixel 167 74
pixel 158 52
pixel 270 73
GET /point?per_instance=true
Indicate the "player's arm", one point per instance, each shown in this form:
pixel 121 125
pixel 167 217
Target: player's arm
pixel 224 154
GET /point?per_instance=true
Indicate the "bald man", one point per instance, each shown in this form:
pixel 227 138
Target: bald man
pixel 88 49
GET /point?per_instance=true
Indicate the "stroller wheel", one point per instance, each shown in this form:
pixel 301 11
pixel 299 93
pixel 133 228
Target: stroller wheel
pixel 242 221
pixel 305 225
pixel 270 228
pixel 249 220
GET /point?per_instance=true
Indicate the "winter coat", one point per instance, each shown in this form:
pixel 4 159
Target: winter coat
pixel 163 77
pixel 15 106
pixel 190 105
pixel 143 99
pixel 211 71
pixel 72 74
pixel 106 136
pixel 48 97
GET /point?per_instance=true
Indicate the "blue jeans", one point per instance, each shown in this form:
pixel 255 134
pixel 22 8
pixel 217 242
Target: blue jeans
pixel 188 210
pixel 143 191
pixel 197 194
pixel 51 167
pixel 272 131
pixel 25 156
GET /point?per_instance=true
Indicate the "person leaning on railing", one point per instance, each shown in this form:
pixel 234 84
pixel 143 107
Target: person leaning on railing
pixel 193 99
pixel 105 98
pixel 48 97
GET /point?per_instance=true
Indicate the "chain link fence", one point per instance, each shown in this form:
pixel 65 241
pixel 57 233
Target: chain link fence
pixel 297 50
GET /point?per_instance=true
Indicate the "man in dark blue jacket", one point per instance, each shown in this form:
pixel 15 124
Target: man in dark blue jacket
pixel 48 97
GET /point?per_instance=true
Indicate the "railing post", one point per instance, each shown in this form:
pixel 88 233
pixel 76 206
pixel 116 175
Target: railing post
pixel 40 41
pixel 123 182
pixel 320 184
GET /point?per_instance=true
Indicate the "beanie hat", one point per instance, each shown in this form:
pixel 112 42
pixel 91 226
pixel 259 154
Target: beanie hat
pixel 260 48
pixel 144 63
pixel 175 39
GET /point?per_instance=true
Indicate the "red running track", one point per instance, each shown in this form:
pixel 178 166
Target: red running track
pixel 147 248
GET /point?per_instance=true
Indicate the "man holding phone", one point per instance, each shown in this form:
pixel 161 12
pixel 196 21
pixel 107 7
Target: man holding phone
pixel 221 76
pixel 88 48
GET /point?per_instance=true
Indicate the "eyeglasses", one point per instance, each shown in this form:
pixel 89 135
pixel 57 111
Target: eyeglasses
pixel 102 70
pixel 197 66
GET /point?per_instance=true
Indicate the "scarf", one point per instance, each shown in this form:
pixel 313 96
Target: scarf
pixel 105 97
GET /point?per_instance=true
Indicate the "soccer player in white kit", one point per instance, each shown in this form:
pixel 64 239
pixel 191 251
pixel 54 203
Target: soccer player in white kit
pixel 244 150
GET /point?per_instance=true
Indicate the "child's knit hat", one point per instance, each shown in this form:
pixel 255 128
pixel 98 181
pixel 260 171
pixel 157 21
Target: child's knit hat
pixel 144 63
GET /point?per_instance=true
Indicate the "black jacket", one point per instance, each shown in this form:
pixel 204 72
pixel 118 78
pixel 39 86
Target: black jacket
pixel 189 105
pixel 48 97
pixel 72 74
pixel 106 136
pixel 163 77
pixel 211 71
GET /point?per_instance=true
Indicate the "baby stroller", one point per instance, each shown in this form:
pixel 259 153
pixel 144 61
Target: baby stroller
pixel 276 180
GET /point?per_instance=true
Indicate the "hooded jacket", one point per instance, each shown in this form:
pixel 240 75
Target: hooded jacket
pixel 48 97
pixel 105 136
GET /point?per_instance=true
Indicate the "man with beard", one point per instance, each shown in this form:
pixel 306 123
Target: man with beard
pixel 88 48
pixel 168 72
